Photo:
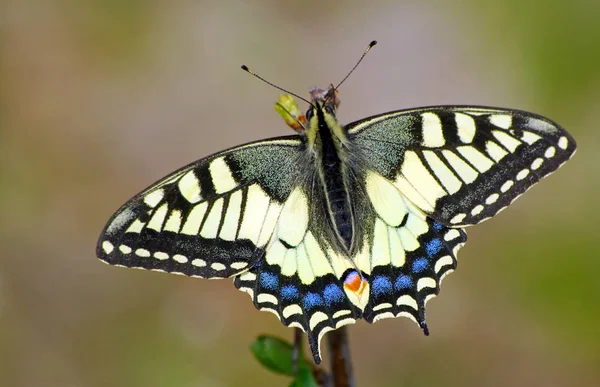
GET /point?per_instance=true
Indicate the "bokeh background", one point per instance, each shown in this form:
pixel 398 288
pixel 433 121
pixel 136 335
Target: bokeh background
pixel 100 98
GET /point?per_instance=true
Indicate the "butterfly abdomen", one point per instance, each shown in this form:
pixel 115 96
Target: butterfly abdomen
pixel 338 200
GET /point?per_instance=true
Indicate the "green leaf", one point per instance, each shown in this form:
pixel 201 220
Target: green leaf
pixel 304 378
pixel 276 355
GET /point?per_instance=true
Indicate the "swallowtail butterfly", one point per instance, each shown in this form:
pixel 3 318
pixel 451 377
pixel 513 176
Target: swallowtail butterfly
pixel 339 223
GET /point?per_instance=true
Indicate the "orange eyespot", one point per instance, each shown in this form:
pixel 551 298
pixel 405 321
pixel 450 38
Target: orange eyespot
pixel 355 283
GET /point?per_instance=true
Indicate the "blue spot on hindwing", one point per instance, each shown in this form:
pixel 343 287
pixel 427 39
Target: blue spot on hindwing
pixel 381 285
pixel 437 226
pixel 403 282
pixel 289 292
pixel 269 280
pixel 333 294
pixel 312 300
pixel 433 247
pixel 419 265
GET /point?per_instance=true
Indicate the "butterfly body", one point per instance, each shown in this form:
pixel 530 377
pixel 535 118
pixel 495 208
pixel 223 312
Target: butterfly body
pixel 339 222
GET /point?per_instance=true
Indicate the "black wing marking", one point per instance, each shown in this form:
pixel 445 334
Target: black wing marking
pixel 461 164
pixel 298 278
pixel 209 219
pixel 404 290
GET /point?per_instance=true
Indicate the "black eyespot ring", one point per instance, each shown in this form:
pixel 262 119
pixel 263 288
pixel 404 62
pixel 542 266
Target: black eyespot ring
pixel 309 113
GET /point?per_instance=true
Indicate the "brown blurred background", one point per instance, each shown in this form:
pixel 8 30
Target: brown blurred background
pixel 100 98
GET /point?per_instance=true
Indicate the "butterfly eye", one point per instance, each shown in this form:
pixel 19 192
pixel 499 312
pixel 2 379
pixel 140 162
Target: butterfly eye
pixel 309 113
pixel 329 109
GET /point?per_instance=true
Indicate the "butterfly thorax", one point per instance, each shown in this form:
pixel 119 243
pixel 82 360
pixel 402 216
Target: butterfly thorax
pixel 327 141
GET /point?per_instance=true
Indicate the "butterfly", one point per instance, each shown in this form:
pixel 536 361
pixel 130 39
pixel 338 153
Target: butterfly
pixel 339 223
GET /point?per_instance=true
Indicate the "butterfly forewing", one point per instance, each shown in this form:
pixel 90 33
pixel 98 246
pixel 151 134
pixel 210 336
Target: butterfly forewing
pixel 461 164
pixel 209 219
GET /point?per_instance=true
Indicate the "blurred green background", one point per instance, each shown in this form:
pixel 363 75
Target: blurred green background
pixel 101 98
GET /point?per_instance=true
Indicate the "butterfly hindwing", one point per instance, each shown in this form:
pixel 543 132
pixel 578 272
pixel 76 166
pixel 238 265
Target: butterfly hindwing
pixel 461 165
pixel 308 283
pixel 211 218
pixel 299 278
pixel 402 287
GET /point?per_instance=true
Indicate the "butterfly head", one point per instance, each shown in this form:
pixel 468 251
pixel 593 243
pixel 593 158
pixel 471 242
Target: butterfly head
pixel 325 100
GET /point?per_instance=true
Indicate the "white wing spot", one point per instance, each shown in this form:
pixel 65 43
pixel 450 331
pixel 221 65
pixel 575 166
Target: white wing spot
pixel 495 151
pixel 174 222
pixel 265 297
pixel 464 170
pixel 419 177
pixel 257 204
pixel 425 283
pixel 503 121
pixel 530 137
pixel 345 321
pixel 522 174
pixel 107 247
pixel 222 177
pixel 125 249
pixel 444 261
pixel 507 140
pixel 136 226
pixel 248 276
pixel 466 127
pixel 158 218
pixel 458 218
pixel 492 199
pixel 291 310
pixel 199 262
pixel 433 135
pixel 161 255
pixel 506 186
pixel 152 199
pixel 476 158
pixel 142 253
pixel 563 142
pixel 180 258
pixel 448 179
pixel 383 305
pixel 537 163
pixel 217 266
pixel 194 219
pixel 477 210
pixel 408 301
pixel 382 316
pixel 189 187
pixel 239 265
pixel 211 225
pixel 451 235
pixel 232 217
pixel 550 152
pixel 341 313
pixel 317 318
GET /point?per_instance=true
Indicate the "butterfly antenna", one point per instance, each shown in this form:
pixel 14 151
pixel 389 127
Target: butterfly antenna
pixel 369 47
pixel 246 69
